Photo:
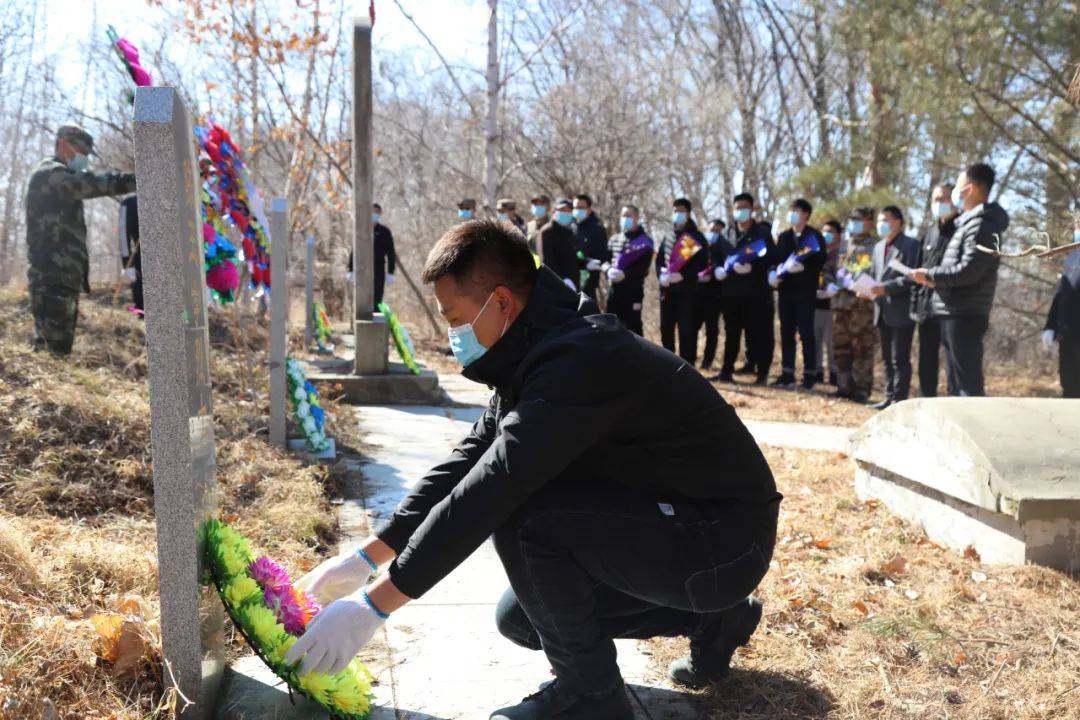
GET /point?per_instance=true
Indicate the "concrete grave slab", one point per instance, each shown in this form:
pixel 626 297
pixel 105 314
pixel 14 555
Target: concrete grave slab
pixel 999 474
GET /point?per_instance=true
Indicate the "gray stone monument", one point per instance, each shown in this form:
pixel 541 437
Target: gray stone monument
pixel 309 292
pixel 999 474
pixel 371 333
pixel 181 420
pixel 279 317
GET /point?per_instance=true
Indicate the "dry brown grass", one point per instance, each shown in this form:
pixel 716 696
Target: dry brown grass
pixel 865 618
pixel 76 528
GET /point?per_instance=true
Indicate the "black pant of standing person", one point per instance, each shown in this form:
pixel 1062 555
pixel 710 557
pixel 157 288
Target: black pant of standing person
pixel 1069 364
pixel 709 309
pixel 627 307
pixel 896 356
pixel 680 309
pixel 962 337
pixel 797 315
pixel 929 358
pixel 591 561
pixel 754 316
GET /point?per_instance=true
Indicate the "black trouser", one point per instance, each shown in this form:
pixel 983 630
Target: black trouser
pixel 1069 364
pixel 755 316
pixel 379 285
pixel 962 337
pixel 797 314
pixel 592 284
pixel 896 356
pixel 590 561
pixel 625 304
pixel 929 354
pixel 679 309
pixel 710 303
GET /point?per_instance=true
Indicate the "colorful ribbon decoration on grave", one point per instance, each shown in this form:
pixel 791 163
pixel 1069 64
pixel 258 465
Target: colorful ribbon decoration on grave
pixel 272 613
pixel 307 412
pixel 220 258
pixel 235 201
pixel 129 56
pixel 402 342
pixel 321 322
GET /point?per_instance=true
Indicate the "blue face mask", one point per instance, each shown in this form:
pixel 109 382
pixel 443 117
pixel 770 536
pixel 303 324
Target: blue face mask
pixel 830 237
pixel 539 211
pixel 465 214
pixel 503 217
pixel 463 343
pixel 883 229
pixel 563 217
pixel 742 215
pixel 855 227
pixel 712 237
pixel 793 217
pixel 679 218
pixel 79 163
pixel 580 214
pixel 627 224
pixel 943 210
pixel 375 218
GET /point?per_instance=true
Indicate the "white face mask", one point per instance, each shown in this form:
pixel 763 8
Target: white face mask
pixel 957 201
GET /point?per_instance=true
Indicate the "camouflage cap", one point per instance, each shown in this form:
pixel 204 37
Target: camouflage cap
pixel 78 137
pixel 467 203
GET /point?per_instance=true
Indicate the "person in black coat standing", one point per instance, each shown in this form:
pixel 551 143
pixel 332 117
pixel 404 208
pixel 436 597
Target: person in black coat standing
pixel 1063 322
pixel 800 255
pixel 710 298
pixel 748 301
pixel 966 278
pixel 557 244
pixel 590 242
pixel 931 249
pixel 631 254
pixel 385 256
pixel 892 303
pixel 682 257
pixel 130 251
pixel 624 496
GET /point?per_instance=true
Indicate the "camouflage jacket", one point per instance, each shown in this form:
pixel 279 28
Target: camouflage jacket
pixel 55 225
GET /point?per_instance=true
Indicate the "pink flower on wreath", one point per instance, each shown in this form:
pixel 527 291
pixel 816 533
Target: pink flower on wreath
pixel 269 574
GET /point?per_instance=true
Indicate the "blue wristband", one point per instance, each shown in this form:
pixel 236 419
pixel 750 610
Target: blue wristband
pixel 378 613
pixel 360 552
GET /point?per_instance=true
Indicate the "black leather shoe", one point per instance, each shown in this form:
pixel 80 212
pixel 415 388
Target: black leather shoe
pixel 784 381
pixel 882 405
pixel 761 380
pixel 725 377
pixel 747 369
pixel 842 394
pixel 860 398
pixel 833 380
pixel 552 702
pixel 711 649
pixel 808 383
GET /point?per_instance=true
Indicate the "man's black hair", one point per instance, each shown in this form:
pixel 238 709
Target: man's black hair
pixel 834 224
pixel 744 196
pixel 683 203
pixel 377 206
pixel 895 212
pixel 863 213
pixel 717 221
pixel 485 254
pixel 804 205
pixel 584 198
pixel 982 175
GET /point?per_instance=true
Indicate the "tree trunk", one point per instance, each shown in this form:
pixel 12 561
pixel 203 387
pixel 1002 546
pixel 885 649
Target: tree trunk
pixel 491 118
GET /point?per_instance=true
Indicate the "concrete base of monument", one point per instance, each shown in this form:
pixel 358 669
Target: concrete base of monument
pixel 252 692
pixel 299 446
pixel 996 474
pixel 396 387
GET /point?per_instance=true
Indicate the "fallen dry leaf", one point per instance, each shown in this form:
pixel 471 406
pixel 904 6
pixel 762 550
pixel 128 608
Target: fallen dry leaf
pixel 861 607
pixel 971 553
pixel 895 566
pixel 823 543
pixel 108 627
pixel 131 648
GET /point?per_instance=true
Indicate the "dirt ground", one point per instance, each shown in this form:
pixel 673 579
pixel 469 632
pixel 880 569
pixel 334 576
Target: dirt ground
pixel 866 618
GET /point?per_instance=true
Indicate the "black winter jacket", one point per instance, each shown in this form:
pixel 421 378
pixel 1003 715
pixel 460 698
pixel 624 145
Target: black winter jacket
pixel 931 250
pixel 557 251
pixel 965 280
pixel 803 285
pixel 698 263
pixel 576 395
pixel 756 282
pixel 1064 315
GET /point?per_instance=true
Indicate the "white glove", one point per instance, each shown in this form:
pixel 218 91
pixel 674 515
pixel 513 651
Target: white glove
pixel 570 284
pixel 774 281
pixel 1048 337
pixel 704 277
pixel 848 283
pixel 665 279
pixel 336 634
pixel 795 267
pixel 822 294
pixel 742 268
pixel 720 273
pixel 389 278
pixel 674 277
pixel 615 275
pixel 831 289
pixel 130 274
pixel 592 265
pixel 348 276
pixel 336 577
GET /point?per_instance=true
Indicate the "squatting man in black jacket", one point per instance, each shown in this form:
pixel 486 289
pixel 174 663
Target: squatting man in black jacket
pixel 625 497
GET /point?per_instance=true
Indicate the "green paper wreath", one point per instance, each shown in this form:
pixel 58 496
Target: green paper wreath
pixel 270 613
pixel 402 341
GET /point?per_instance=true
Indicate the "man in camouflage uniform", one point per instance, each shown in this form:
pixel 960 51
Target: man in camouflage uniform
pixel 56 234
pixel 854 335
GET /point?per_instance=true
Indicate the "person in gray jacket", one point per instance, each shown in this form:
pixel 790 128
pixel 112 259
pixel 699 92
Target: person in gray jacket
pixel 931 248
pixel 892 299
pixel 966 278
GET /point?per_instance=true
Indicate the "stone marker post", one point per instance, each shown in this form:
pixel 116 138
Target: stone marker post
pixel 181 420
pixel 279 316
pixel 371 335
pixel 309 292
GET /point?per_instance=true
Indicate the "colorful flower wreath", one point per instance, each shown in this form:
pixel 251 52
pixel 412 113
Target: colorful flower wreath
pixel 307 411
pixel 402 341
pixel 321 321
pixel 271 614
